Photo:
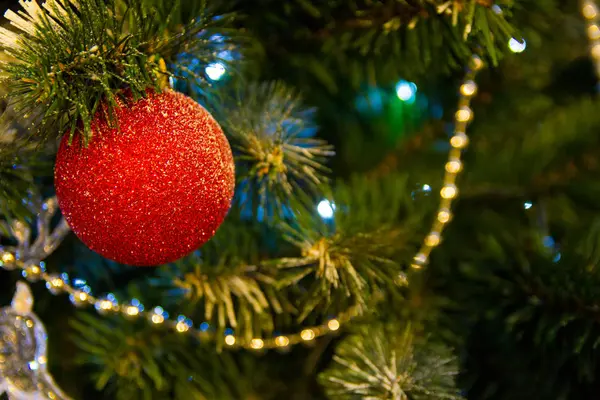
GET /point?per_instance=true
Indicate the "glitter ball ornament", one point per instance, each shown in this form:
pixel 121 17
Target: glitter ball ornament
pixel 152 190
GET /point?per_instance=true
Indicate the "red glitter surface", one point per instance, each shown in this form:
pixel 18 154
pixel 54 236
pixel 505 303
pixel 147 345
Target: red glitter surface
pixel 153 190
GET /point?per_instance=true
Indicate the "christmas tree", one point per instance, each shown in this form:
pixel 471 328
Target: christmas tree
pixel 299 199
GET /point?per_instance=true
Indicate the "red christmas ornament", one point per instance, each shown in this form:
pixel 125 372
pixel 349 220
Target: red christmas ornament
pixel 153 190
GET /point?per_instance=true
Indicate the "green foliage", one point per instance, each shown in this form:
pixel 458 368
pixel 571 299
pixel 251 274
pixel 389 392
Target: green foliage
pixel 537 163
pixel 15 180
pixel 134 361
pixel 379 362
pixel 272 135
pixel 534 327
pixel 72 59
pixel 379 41
pixel 224 285
pixel 351 258
pixel 522 313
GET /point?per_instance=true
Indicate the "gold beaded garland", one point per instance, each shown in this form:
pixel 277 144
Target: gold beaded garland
pixel 589 10
pixel 454 166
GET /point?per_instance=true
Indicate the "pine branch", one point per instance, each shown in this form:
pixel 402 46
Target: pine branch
pixel 224 285
pixel 131 361
pixel 20 164
pixel 536 165
pixel 383 363
pixel 348 260
pixel 278 157
pixel 70 59
pixel 379 41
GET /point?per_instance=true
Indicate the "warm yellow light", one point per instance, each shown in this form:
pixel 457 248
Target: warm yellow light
pixel 593 32
pixel 57 283
pixel 464 114
pixel 282 341
pixel 307 334
pixel 105 305
pixel 257 344
pixel 182 327
pixel 420 259
pixel 449 192
pixel 444 216
pixel 476 63
pixel 8 258
pixel 229 340
pixel 468 88
pixel 83 296
pixel 453 166
pixel 589 10
pixel 333 325
pixel 157 319
pixel 132 311
pixel 433 239
pixel 596 51
pixel 459 141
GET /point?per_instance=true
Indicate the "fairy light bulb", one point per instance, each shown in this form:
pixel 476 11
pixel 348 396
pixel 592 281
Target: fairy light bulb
pixel 459 140
pixel 444 216
pixel 419 260
pixel 596 50
pixel 590 11
pixel 158 316
pixel 449 192
pixel 183 324
pixel 104 306
pixel 464 114
pixel 215 71
pixel 333 325
pixel 229 340
pixel 282 341
pixel 593 32
pixel 55 284
pixel 132 311
pixel 157 319
pixel 517 46
pixel 307 334
pixel 476 63
pixel 433 239
pixel 453 166
pixel 7 260
pixel 257 344
pixel 469 88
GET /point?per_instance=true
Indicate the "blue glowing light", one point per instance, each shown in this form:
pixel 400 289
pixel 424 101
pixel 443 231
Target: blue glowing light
pixel 548 241
pixel 204 326
pixel 528 205
pixel 79 282
pixel 406 91
pixel 426 188
pixel 215 71
pixel 326 209
pixel 517 47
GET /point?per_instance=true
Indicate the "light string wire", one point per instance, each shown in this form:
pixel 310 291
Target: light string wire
pixel 28 257
pixel 589 10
